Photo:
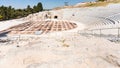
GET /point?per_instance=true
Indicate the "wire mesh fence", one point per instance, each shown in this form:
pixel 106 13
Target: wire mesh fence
pixel 112 34
pixel 21 39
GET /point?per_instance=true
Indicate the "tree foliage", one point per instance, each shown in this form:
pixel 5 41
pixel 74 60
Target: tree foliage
pixel 39 7
pixel 1 17
pixel 9 12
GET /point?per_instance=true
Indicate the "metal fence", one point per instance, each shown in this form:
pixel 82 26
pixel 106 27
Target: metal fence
pixel 18 39
pixel 112 34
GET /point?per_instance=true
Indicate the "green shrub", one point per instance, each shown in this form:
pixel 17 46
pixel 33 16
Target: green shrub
pixel 1 17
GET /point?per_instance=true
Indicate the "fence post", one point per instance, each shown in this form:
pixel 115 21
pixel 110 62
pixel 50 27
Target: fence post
pixel 18 41
pixel 118 33
pixel 100 32
pixel 92 32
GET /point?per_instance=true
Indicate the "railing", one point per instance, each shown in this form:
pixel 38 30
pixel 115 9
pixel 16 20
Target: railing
pixel 112 34
pixel 22 39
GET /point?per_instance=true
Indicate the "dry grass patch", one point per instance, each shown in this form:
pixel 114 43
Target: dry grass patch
pixel 65 45
pixel 89 4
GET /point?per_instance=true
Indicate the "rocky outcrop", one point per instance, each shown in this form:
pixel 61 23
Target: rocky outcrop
pixel 44 15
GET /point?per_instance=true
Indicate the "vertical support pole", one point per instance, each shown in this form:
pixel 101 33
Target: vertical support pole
pixel 100 33
pixel 92 33
pixel 18 39
pixel 118 33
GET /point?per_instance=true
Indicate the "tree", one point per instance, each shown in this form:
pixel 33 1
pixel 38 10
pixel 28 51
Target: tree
pixel 34 9
pixel 1 17
pixel 2 13
pixel 39 7
pixel 29 9
pixel 7 13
